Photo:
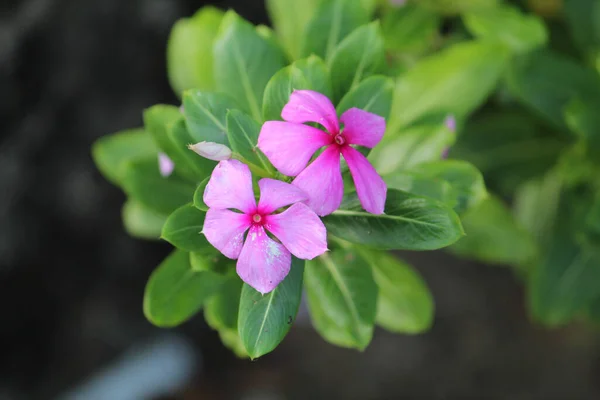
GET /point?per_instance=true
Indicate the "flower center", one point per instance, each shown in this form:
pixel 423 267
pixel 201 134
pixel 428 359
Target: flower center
pixel 339 139
pixel 257 218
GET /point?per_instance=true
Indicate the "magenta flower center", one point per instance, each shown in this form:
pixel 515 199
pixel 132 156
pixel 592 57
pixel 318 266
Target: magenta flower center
pixel 257 219
pixel 339 139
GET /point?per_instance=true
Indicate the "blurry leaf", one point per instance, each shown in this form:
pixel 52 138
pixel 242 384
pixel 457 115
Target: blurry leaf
pixel 405 304
pixel 242 132
pixel 358 56
pixel 547 82
pixel 583 21
pixel 410 222
pixel 374 95
pixel 583 119
pixel 140 221
pixel 506 24
pixel 457 6
pixel 493 235
pixel 465 180
pixel 205 115
pixel 416 183
pixel 143 182
pixel 342 298
pixel 454 81
pixel 190 51
pixel 547 8
pixel 111 153
pixel 411 28
pixel 309 73
pixel 264 320
pixel 244 63
pixel 330 24
pixel 183 229
pixel 565 281
pixel 411 146
pixel 175 292
pixel 290 17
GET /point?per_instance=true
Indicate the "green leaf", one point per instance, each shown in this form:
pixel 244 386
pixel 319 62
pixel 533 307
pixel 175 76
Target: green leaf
pixel 309 73
pixel 565 282
pixel 455 81
pixel 358 56
pixel 374 95
pixel 175 292
pixel 465 180
pixel 342 298
pixel 405 304
pixel 140 221
pixel 410 28
pixel 205 115
pixel 451 7
pixel 506 24
pixel 199 167
pixel 242 132
pixel 493 235
pixel 199 195
pixel 416 183
pixel 190 51
pixel 546 82
pixel 143 182
pixel 183 229
pixel 410 222
pixel 264 320
pixel 412 146
pixel 244 63
pixel 290 17
pixel 583 21
pixel 583 120
pixel 111 153
pixel 330 24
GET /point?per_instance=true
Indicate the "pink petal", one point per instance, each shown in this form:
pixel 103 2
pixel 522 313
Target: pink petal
pixel 310 106
pixel 290 146
pixel 322 181
pixel 165 165
pixel 363 128
pixel 275 194
pixel 300 230
pixel 263 262
pixel 230 186
pixel 225 229
pixel 371 189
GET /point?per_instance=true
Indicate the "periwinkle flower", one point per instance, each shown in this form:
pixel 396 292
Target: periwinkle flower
pixel 165 165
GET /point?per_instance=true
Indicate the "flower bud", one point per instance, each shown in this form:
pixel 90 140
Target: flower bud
pixel 165 165
pixel 212 151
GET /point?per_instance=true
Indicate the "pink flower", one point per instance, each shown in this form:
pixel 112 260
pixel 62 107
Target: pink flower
pixel 165 165
pixel 290 145
pixel 262 262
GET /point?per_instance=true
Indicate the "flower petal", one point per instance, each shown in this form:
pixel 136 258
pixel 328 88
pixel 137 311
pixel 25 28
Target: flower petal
pixel 322 181
pixel 225 229
pixel 263 262
pixel 362 127
pixel 300 230
pixel 290 146
pixel 230 186
pixel 370 187
pixel 165 165
pixel 275 194
pixel 310 106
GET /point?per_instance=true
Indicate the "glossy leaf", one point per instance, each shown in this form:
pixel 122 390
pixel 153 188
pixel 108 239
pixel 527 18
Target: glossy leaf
pixel 242 132
pixel 111 153
pixel 175 292
pixel 342 298
pixel 405 304
pixel 493 235
pixel 143 182
pixel 358 56
pixel 183 229
pixel 416 183
pixel 506 24
pixel 244 63
pixel 264 320
pixel 454 81
pixel 330 24
pixel 309 73
pixel 374 95
pixel 140 221
pixel 199 195
pixel 410 222
pixel 205 115
pixel 190 51
pixel 411 28
pixel 290 18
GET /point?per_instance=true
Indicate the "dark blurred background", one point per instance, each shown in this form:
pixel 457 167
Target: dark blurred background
pixel 71 280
